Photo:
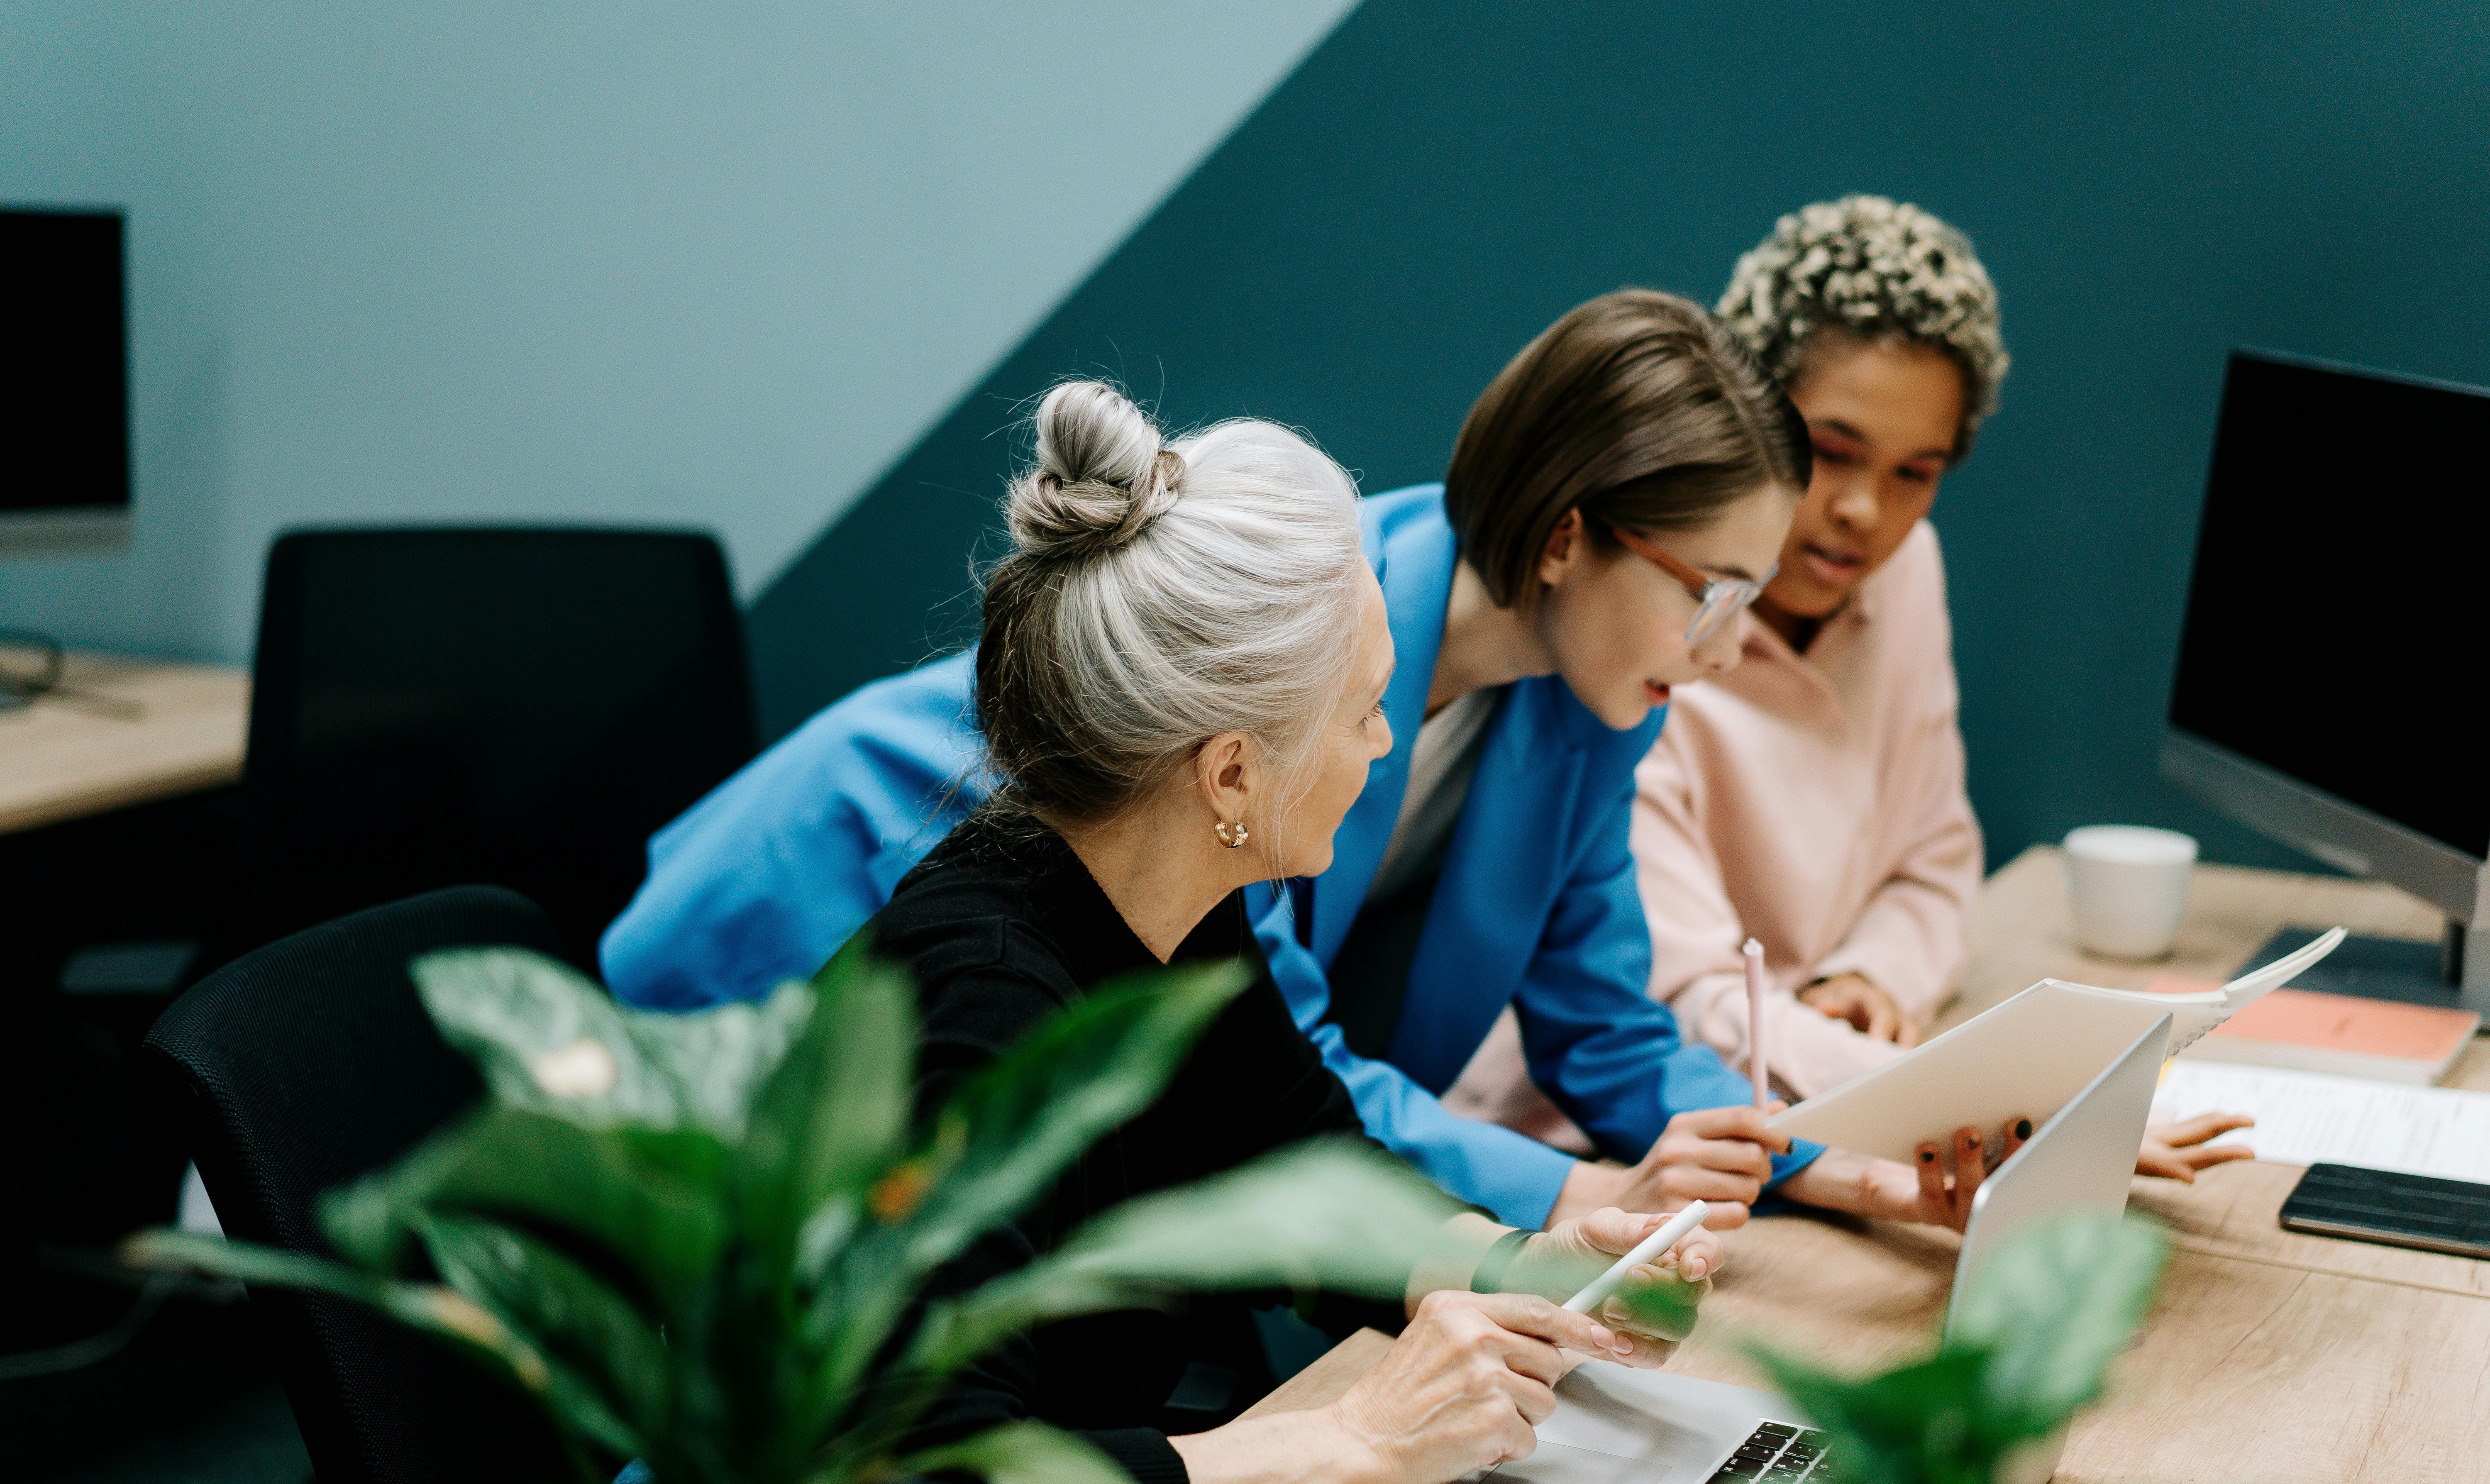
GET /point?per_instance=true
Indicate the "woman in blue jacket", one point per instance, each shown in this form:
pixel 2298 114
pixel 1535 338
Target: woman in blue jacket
pixel 1616 497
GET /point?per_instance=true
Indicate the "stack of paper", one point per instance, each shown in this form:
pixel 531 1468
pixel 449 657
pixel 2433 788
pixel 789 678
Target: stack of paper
pixel 2307 1118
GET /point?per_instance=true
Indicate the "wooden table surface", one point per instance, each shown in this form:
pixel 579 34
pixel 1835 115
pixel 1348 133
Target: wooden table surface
pixel 2270 1355
pixel 158 730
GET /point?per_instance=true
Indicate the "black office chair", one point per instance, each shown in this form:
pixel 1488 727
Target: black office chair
pixel 295 1070
pixel 519 706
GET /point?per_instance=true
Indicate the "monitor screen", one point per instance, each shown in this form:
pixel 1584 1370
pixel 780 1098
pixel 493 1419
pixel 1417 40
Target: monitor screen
pixel 64 366
pixel 2335 621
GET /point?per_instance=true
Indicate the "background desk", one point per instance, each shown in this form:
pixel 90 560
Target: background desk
pixel 61 759
pixel 2271 1357
pixel 111 831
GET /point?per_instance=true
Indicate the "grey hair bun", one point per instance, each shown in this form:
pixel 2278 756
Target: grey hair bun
pixel 1103 475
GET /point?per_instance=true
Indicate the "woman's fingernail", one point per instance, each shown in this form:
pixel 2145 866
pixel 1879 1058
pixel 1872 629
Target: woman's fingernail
pixel 1928 1156
pixel 2022 1129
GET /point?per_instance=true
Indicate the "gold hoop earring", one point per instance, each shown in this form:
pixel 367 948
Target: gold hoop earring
pixel 1232 840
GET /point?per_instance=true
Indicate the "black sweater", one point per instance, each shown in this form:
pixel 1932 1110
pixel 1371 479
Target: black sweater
pixel 1002 926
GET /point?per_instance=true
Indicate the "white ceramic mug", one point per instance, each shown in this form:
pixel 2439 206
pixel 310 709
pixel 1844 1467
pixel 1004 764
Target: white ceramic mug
pixel 2128 887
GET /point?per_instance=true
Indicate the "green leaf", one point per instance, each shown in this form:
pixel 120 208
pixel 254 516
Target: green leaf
pixel 608 1372
pixel 550 1041
pixel 1018 1453
pixel 835 1111
pixel 718 1058
pixel 1080 1073
pixel 248 1264
pixel 1664 1304
pixel 752 1172
pixel 2033 1330
pixel 622 1188
pixel 1338 1217
pixel 1916 1424
pixel 1668 1305
pixel 2055 1306
pixel 1003 1137
pixel 544 1037
pixel 433 1308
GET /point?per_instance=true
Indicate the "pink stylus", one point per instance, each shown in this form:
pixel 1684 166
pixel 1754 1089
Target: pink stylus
pixel 1755 1066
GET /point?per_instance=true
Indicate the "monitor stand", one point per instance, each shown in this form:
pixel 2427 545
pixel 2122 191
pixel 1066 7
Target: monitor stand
pixel 2377 968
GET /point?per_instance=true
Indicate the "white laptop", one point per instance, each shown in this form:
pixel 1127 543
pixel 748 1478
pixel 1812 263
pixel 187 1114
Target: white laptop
pixel 1613 1425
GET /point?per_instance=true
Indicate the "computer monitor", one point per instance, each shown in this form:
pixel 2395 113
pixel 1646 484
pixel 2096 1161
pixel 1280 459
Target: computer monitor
pixel 2331 657
pixel 64 377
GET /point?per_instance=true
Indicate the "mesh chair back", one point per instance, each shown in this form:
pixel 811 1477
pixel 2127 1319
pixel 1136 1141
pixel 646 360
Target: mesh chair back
pixel 517 706
pixel 295 1070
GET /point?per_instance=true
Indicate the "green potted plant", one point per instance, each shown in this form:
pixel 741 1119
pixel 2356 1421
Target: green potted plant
pixel 695 1238
pixel 2031 1340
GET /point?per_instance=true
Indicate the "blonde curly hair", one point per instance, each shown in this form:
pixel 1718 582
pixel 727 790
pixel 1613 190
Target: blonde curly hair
pixel 1882 272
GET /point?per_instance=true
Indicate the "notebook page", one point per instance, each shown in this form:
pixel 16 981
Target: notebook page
pixel 2303 1117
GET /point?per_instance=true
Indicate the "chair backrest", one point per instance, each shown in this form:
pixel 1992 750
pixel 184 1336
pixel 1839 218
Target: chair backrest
pixel 293 1070
pixel 509 705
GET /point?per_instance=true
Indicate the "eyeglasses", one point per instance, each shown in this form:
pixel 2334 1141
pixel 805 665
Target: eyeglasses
pixel 1717 600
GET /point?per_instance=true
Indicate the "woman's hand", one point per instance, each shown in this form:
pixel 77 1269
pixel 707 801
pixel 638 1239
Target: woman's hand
pixel 1465 1383
pixel 1938 1189
pixel 1717 1156
pixel 1855 999
pixel 1654 1309
pixel 2178 1150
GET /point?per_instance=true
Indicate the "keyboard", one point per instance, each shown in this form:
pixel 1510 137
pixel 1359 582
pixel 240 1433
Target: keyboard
pixel 1777 1453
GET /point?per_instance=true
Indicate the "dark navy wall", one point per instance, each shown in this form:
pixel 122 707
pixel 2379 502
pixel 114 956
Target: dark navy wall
pixel 2149 184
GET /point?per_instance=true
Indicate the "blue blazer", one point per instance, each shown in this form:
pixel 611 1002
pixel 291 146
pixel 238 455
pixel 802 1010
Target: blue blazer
pixel 1535 905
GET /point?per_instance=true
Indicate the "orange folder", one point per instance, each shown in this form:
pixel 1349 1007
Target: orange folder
pixel 2304 1030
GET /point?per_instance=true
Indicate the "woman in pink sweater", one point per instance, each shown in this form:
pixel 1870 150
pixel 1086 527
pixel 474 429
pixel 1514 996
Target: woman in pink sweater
pixel 1812 796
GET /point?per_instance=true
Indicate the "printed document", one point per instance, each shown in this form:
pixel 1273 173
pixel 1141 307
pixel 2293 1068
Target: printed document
pixel 2305 1118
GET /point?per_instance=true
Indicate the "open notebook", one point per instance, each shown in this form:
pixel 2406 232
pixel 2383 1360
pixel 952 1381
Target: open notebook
pixel 2024 1057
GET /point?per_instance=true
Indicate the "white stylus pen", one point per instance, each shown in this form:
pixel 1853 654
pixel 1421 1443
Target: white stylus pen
pixel 1671 1232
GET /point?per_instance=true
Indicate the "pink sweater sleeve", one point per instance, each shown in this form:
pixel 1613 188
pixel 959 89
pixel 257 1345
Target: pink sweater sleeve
pixel 1694 930
pixel 1910 939
pixel 1695 936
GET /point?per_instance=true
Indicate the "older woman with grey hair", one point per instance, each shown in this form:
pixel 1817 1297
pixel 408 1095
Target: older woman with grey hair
pixel 1179 686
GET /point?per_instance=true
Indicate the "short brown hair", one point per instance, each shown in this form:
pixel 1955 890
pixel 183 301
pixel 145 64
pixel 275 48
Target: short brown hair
pixel 1639 409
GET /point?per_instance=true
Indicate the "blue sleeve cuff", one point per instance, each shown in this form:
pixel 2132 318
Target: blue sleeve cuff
pixel 1523 1192
pixel 1774 1203
pixel 1801 1154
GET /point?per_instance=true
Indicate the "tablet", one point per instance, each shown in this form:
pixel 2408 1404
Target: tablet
pixel 2382 1206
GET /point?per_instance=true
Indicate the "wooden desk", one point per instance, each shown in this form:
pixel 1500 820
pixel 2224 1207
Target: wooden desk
pixel 63 759
pixel 2269 1356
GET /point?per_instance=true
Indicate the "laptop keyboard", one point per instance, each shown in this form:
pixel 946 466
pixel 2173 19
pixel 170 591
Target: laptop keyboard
pixel 1777 1453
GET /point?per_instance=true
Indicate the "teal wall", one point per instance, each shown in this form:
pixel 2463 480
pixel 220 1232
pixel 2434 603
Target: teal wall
pixel 2150 184
pixel 735 265
pixel 637 261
